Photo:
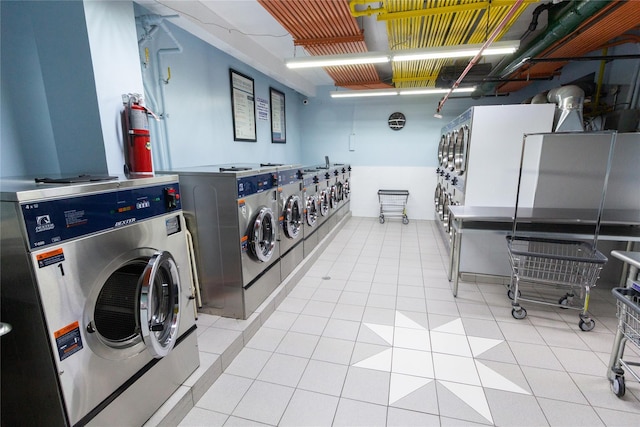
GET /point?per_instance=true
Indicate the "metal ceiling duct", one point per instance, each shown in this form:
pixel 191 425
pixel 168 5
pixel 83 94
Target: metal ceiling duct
pixel 575 29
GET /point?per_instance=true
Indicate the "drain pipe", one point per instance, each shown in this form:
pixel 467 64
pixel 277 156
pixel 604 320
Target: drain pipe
pixel 572 18
pixel 151 24
pixel 162 83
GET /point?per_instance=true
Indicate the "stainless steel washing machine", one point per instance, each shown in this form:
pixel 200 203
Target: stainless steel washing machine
pixel 327 200
pixel 231 211
pixel 342 172
pixel 97 287
pixel 290 218
pixel 311 204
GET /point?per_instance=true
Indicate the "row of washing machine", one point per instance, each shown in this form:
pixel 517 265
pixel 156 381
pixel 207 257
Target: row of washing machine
pixel 253 224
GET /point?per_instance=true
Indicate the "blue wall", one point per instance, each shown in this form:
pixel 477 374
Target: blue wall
pixel 52 117
pixel 197 108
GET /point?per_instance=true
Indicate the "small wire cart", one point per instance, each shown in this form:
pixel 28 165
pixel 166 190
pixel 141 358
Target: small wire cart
pixel 393 203
pixel 572 265
pixel 628 311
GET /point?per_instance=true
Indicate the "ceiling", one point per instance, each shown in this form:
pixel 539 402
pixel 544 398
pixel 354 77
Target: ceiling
pixel 263 33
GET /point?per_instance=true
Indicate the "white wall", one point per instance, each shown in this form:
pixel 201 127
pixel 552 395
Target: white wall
pixel 114 54
pixel 419 181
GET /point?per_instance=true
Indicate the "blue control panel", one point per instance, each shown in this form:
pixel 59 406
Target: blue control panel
pixel 248 185
pixel 286 177
pixel 55 221
pixel 310 181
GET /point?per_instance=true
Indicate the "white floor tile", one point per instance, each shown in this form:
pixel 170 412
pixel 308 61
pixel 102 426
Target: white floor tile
pixel 373 336
pixel 225 393
pixel 264 402
pixel 309 409
pixel 283 369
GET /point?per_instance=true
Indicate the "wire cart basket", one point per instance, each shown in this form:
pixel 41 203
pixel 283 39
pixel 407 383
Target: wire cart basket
pixel 628 311
pixel 393 203
pixel 557 264
pixel 552 246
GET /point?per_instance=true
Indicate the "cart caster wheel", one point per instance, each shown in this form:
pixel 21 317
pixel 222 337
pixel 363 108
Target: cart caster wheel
pixel 617 386
pixel 405 220
pixel 520 313
pixel 510 294
pixel 587 325
pixel 565 301
pixel 381 219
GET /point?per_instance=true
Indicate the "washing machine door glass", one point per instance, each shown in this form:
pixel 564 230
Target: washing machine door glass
pixel 160 304
pixel 324 202
pixel 346 189
pixel 139 302
pixel 340 191
pixel 292 217
pixel 263 240
pixel 333 198
pixel 311 210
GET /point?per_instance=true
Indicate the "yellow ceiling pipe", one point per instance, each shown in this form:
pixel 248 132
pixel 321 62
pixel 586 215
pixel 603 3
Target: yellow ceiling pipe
pixel 384 14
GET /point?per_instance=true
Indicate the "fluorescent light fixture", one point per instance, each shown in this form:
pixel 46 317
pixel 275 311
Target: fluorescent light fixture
pixel 434 91
pixel 362 93
pixel 462 51
pixel 338 60
pixel 392 92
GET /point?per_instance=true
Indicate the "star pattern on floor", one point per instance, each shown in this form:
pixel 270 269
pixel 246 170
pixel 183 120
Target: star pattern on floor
pixel 446 354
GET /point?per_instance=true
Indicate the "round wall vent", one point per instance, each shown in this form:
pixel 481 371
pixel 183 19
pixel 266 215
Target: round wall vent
pixel 396 121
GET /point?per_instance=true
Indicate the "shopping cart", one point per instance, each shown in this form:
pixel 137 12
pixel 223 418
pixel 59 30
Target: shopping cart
pixel 553 264
pixel 393 203
pixel 628 310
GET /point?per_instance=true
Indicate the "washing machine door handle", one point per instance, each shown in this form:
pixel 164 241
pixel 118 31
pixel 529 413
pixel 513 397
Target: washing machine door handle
pixel 159 305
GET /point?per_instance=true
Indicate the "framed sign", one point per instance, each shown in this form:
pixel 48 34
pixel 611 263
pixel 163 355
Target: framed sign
pixel 278 120
pixel 243 106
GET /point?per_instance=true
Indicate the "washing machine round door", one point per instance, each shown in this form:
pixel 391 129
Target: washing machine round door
pixel 441 146
pixel 159 306
pixel 340 191
pixel 311 214
pixel 333 198
pixel 324 202
pixel 263 240
pixel 461 149
pixel 137 307
pixel 347 190
pixel 292 217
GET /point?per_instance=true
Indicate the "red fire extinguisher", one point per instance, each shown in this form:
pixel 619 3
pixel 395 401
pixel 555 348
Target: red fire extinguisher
pixel 135 126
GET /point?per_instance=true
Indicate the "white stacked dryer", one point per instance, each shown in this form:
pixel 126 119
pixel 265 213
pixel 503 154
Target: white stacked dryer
pixel 478 165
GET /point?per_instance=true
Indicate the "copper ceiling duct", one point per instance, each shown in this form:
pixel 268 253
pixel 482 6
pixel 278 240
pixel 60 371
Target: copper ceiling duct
pixel 327 28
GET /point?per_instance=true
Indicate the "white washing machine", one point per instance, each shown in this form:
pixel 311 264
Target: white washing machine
pixel 231 211
pixel 96 285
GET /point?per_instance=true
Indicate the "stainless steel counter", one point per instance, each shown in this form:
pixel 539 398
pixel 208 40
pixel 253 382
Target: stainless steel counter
pixel 577 224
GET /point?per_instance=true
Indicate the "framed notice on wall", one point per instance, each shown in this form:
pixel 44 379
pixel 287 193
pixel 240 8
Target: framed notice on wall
pixel 278 120
pixel 243 106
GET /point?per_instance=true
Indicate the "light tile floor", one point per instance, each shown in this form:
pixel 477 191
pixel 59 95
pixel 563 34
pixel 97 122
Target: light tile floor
pixel 372 336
